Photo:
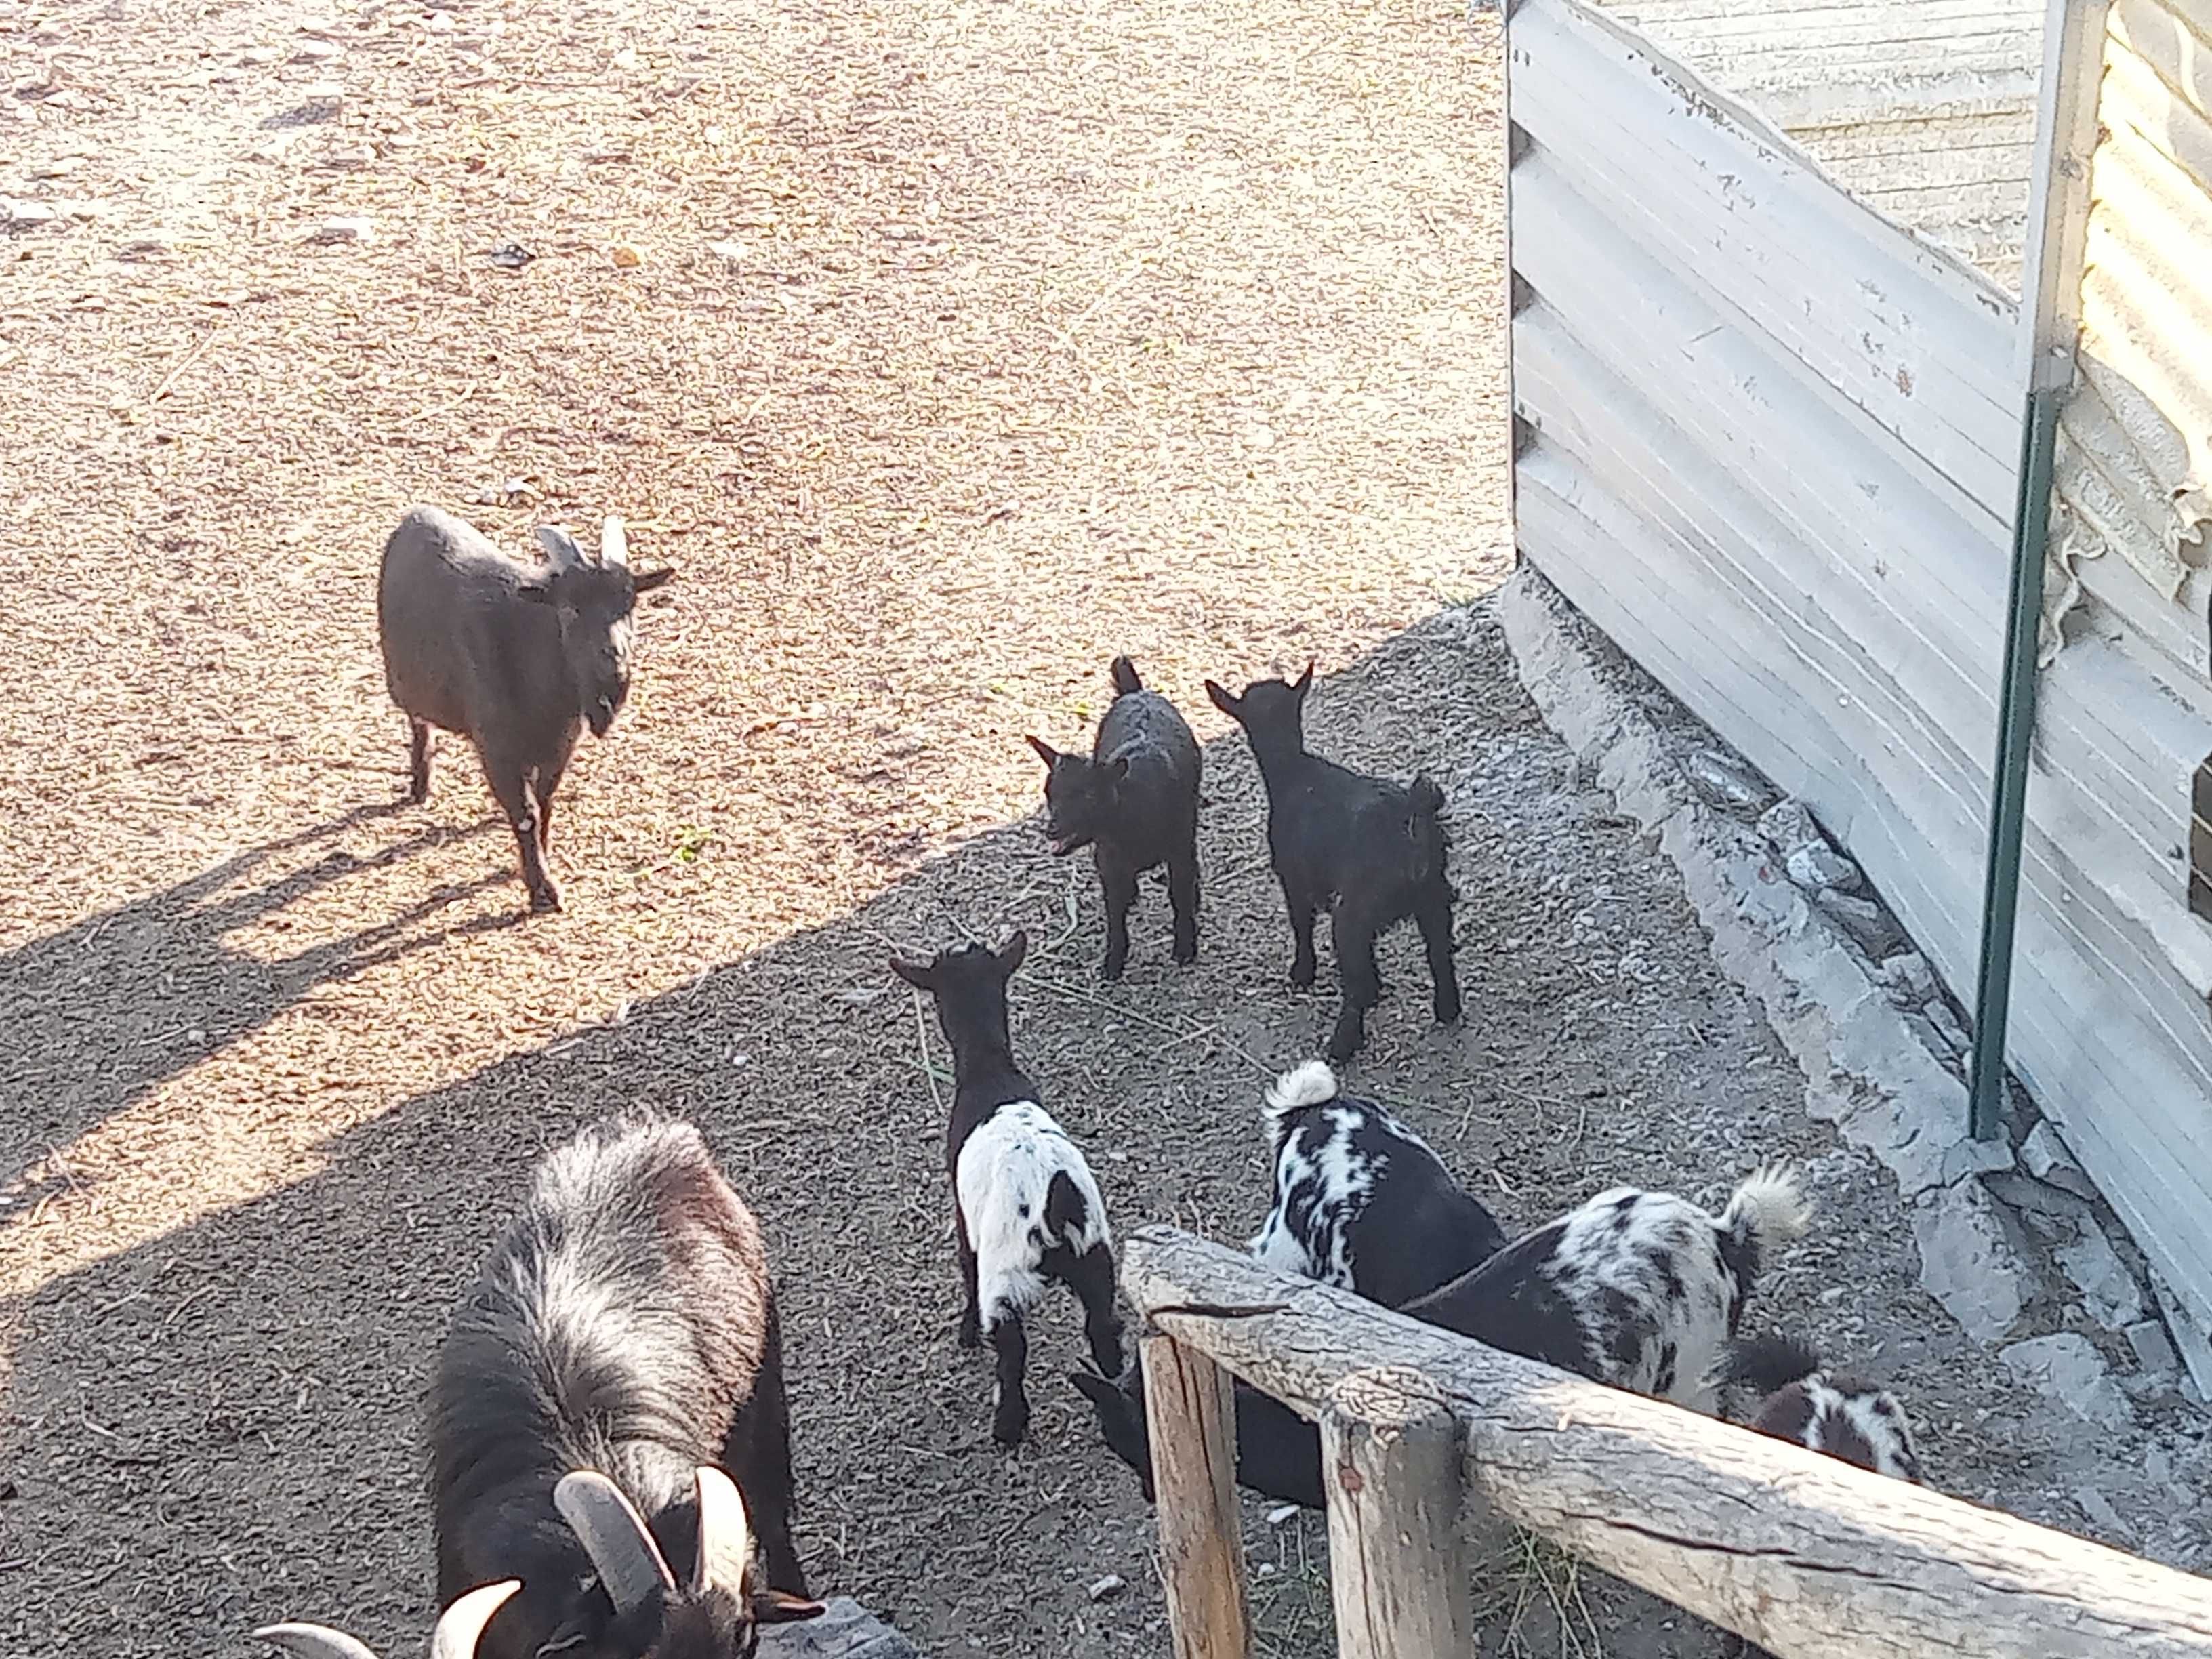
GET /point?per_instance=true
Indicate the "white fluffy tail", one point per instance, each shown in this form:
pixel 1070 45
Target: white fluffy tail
pixel 1311 1085
pixel 1768 1210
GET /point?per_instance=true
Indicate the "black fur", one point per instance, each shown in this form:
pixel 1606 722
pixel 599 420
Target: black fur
pixel 544 1371
pixel 1135 803
pixel 517 657
pixel 1370 852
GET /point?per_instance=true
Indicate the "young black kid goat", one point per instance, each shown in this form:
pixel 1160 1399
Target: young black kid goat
pixel 1026 1210
pixel 1636 1289
pixel 1369 851
pixel 1135 802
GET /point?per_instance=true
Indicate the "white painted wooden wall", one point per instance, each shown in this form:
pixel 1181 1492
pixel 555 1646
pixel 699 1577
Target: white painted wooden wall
pixel 1773 455
pixel 1924 109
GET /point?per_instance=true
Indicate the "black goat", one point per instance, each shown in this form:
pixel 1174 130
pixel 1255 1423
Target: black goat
pixel 1361 1202
pixel 1635 1289
pixel 1135 800
pixel 619 1350
pixel 518 657
pixel 1369 851
pixel 1026 1209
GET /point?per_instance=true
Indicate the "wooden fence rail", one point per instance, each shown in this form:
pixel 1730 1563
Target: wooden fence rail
pixel 1424 1431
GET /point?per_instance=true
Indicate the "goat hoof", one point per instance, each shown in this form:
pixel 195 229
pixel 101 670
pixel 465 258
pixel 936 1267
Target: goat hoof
pixel 1302 979
pixel 544 898
pixel 1184 958
pixel 1109 971
pixel 970 1338
pixel 1008 1428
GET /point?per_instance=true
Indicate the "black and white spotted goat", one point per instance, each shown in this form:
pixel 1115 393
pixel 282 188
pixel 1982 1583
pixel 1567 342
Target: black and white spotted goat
pixel 1360 1199
pixel 1026 1209
pixel 1801 1401
pixel 1640 1290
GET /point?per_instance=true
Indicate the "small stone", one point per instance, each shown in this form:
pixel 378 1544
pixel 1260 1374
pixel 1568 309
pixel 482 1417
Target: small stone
pixel 2043 1156
pixel 1866 923
pixel 2032 1197
pixel 1111 1584
pixel 1817 867
pixel 2068 1368
pixel 626 58
pixel 2153 1348
pixel 1724 780
pixel 2098 1508
pixel 313 51
pixel 1968 1261
pixel 27 216
pixel 626 256
pixel 732 252
pixel 1787 825
pixel 2108 1290
pixel 345 228
pixel 1280 1513
pixel 511 256
pixel 1937 1011
pixel 1908 974
pixel 352 155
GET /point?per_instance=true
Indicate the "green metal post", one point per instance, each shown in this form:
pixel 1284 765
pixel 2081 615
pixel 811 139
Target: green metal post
pixel 2031 535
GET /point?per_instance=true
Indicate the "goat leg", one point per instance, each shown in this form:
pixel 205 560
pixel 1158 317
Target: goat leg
pixel 1009 1417
pixel 1117 883
pixel 1183 897
pixel 1435 918
pixel 418 761
pixel 510 785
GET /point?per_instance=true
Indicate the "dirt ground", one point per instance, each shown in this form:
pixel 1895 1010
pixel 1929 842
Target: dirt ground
pixel 947 350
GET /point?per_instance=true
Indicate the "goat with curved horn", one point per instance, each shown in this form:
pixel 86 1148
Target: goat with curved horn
pixel 614 1534
pixel 455 1637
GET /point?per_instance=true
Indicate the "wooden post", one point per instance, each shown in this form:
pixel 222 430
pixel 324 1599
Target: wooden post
pixel 1390 1462
pixel 1193 1412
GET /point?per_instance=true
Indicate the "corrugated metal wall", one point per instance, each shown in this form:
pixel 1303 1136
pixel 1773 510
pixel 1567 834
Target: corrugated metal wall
pixel 2135 470
pixel 1924 109
pixel 1770 444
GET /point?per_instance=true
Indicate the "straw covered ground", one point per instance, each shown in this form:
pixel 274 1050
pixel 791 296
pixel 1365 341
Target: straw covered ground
pixel 945 349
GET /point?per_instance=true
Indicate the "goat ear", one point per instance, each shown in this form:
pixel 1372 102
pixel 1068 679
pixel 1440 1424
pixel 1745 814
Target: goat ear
pixel 775 1606
pixel 1303 681
pixel 1011 952
pixel 647 580
pixel 1045 751
pixel 1231 706
pixel 922 976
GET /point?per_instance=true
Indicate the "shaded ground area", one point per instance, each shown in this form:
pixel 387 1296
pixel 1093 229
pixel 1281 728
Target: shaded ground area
pixel 946 351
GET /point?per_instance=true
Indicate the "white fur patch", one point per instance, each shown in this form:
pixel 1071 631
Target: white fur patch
pixel 1838 1415
pixel 1005 1171
pixel 1321 1192
pixel 1310 1085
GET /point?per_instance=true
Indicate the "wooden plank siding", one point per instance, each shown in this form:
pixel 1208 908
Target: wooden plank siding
pixel 1770 448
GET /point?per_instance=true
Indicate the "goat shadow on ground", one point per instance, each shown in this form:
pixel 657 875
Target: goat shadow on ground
pixel 103 1010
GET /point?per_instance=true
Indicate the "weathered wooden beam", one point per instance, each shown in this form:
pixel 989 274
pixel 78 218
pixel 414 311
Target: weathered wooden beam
pixel 1390 1465
pixel 1808 1556
pixel 1192 1408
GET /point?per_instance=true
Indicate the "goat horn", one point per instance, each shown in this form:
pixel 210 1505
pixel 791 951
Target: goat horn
pixel 315 1642
pixel 560 547
pixel 614 541
pixel 614 1534
pixel 726 1535
pixel 461 1626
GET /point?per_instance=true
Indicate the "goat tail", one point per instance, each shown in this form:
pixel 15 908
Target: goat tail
pixel 1765 1364
pixel 1125 678
pixel 1310 1085
pixel 1765 1213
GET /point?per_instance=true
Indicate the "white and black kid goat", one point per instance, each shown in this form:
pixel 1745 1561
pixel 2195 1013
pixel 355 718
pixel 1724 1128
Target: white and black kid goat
pixel 615 1363
pixel 1637 1289
pixel 1370 852
pixel 1026 1209
pixel 1134 802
